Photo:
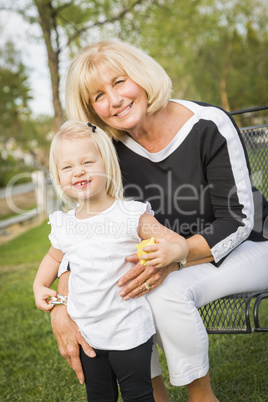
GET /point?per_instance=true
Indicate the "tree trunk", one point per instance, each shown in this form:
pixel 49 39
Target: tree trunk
pixel 224 96
pixel 49 27
pixel 48 14
pixel 53 62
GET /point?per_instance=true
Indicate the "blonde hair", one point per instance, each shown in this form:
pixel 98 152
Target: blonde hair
pixel 74 130
pixel 124 59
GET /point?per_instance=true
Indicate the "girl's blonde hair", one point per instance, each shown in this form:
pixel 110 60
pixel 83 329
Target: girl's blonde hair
pixel 74 130
pixel 124 59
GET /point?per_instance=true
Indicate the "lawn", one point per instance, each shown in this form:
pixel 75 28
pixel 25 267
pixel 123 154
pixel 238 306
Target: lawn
pixel 32 369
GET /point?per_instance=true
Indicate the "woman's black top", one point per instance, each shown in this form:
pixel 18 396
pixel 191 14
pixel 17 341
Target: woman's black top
pixel 200 183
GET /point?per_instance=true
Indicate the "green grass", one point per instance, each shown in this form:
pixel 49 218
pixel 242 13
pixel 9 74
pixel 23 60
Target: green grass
pixel 32 368
pixel 30 247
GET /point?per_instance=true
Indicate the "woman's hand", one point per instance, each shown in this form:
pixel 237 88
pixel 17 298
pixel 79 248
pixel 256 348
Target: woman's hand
pixel 69 338
pixel 133 282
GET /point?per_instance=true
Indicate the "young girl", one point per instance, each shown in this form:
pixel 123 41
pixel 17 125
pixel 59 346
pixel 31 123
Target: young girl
pixel 94 237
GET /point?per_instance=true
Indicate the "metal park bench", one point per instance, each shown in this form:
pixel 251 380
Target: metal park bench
pixel 233 314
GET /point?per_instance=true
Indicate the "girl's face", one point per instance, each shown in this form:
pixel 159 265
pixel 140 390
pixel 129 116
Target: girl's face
pixel 81 169
pixel 119 101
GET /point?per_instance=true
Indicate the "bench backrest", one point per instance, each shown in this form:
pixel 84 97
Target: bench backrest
pixel 256 142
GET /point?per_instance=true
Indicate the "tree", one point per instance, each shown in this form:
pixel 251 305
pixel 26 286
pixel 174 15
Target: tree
pixel 16 121
pixel 65 24
pixel 173 34
pixel 233 63
pixel 14 91
pixel 214 50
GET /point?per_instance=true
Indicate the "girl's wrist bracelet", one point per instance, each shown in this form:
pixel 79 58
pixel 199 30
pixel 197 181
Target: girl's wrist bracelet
pixel 59 300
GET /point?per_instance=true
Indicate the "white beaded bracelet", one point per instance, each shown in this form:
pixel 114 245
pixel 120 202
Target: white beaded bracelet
pixel 59 300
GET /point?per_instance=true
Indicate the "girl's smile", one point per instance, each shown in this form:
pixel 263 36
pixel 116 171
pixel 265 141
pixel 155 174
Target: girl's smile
pixel 81 183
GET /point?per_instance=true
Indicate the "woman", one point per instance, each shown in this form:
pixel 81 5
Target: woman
pixel 188 161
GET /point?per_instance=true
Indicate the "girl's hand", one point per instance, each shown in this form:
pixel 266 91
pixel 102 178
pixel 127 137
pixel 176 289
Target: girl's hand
pixel 163 253
pixel 133 282
pixel 42 296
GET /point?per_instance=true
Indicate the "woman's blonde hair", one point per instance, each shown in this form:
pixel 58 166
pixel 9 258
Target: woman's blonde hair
pixel 74 130
pixel 124 59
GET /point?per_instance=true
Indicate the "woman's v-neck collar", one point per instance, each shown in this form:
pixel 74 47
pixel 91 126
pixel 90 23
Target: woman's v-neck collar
pixel 174 143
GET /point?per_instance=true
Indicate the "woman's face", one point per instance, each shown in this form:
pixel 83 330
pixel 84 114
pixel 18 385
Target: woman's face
pixel 119 101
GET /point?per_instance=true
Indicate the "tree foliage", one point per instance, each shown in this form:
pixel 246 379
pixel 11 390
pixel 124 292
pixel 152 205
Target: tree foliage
pixel 67 24
pixel 233 64
pixel 214 50
pixel 15 93
pixel 14 90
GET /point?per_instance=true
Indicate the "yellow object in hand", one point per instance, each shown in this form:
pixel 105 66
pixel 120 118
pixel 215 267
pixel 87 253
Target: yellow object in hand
pixel 140 246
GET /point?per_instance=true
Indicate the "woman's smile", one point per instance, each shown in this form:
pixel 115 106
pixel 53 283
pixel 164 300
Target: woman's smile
pixel 123 111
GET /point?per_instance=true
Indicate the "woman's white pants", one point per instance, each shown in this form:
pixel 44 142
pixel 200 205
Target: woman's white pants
pixel 180 330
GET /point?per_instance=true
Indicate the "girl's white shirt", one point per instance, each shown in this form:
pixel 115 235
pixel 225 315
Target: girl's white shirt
pixel 96 249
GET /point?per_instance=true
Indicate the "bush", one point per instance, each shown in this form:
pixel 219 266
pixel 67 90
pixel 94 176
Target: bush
pixel 10 168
